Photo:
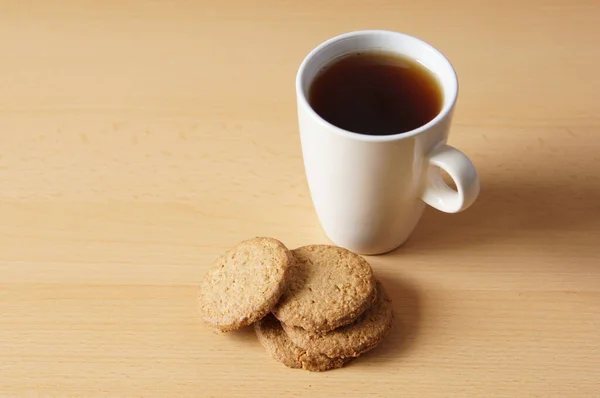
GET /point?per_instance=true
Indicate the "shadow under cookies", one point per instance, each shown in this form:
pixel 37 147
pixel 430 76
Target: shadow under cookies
pixel 245 334
pixel 404 333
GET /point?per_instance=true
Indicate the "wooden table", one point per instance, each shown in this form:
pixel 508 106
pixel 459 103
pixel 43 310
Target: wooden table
pixel 140 139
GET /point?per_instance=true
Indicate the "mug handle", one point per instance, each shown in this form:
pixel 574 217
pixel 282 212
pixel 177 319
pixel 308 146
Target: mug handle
pixel 439 195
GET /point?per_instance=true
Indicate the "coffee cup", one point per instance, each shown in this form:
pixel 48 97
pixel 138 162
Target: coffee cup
pixel 369 191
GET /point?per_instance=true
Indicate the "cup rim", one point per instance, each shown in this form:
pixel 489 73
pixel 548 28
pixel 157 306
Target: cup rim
pixel 303 101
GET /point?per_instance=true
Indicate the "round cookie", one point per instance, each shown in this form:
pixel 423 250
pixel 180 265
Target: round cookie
pixel 244 284
pixel 351 340
pixel 280 347
pixel 329 287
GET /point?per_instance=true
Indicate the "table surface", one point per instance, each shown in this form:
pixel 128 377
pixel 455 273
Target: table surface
pixel 140 139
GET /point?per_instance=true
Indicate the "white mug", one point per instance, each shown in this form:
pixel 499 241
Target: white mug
pixel 370 191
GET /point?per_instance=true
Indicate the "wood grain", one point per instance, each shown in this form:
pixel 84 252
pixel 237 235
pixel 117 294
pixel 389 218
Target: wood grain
pixel 139 139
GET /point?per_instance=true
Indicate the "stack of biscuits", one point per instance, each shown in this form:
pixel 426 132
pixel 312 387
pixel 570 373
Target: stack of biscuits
pixel 316 307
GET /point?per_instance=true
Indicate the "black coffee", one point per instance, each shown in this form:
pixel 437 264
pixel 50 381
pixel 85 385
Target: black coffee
pixel 376 93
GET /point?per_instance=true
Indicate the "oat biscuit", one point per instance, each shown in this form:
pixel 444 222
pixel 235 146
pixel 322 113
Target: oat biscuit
pixel 350 340
pixel 244 284
pixel 329 287
pixel 278 345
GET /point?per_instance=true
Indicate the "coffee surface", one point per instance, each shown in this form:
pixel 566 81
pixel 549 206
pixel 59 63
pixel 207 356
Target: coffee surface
pixel 376 93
